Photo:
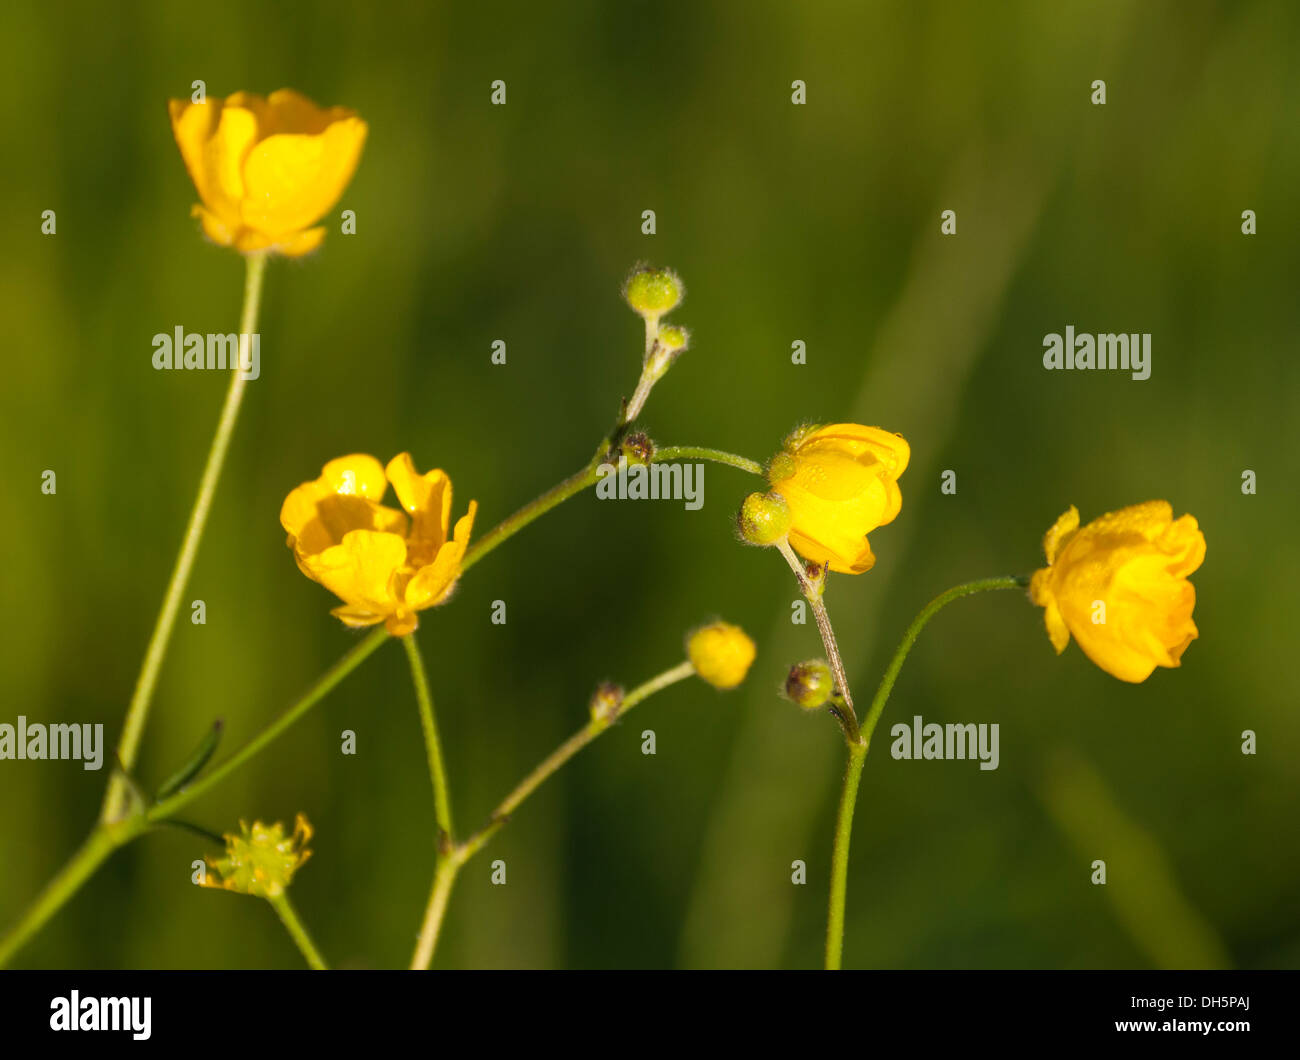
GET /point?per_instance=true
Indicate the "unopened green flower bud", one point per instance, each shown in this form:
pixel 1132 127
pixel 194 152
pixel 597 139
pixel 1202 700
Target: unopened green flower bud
pixel 674 339
pixel 781 467
pixel 810 684
pixel 638 448
pixel 796 436
pixel 764 518
pixel 653 292
pixel 606 701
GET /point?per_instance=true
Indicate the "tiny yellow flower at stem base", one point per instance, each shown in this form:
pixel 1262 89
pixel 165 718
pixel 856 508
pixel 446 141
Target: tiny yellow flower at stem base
pixel 261 860
pixel 721 654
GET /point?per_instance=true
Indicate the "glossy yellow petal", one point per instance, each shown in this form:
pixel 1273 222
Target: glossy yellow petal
pixel 267 170
pixel 840 483
pixel 432 584
pixel 1061 531
pixel 361 570
pixel 401 622
pixel 288 111
pixel 848 558
pixel 890 449
pixel 1057 631
pixel 193 125
pixel 223 162
pixel 318 514
pixel 355 617
pixel 216 229
pixel 1118 586
pixel 293 179
pixel 357 474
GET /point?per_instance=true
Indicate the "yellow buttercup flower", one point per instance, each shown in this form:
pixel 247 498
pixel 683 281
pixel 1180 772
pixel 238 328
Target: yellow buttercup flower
pixel 266 169
pixel 721 654
pixel 1120 586
pixel 840 482
pixel 261 860
pixel 383 563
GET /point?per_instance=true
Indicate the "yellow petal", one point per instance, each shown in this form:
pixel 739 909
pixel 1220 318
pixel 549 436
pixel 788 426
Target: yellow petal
pixel 290 246
pixel 288 111
pixel 1060 532
pixel 357 474
pixel 292 179
pixel 215 228
pixel 356 617
pixel 1057 631
pixel 432 584
pixel 361 570
pixel 223 163
pixel 890 449
pixel 846 560
pixel 193 125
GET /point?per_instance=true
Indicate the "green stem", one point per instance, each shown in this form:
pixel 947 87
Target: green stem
pixel 718 456
pixel 840 856
pixel 530 512
pixel 314 695
pixel 289 916
pixel 557 758
pixel 445 864
pixel 928 612
pixel 80 867
pixel 444 877
pixel 578 482
pixel 137 712
pixel 107 838
pixel 450 866
pixel 432 744
pixel 847 717
pixel 858 755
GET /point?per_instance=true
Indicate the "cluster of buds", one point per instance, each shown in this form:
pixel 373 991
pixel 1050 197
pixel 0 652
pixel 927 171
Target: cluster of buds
pixel 653 294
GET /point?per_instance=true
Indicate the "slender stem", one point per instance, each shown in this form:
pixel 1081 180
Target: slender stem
pixel 138 710
pixel 450 865
pixel 914 630
pixel 813 594
pixel 858 755
pixel 531 511
pixel 840 856
pixel 107 838
pixel 97 847
pixel 432 744
pixel 444 877
pixel 80 867
pixel 718 456
pixel 323 686
pixel 557 758
pixel 289 916
pixel 579 481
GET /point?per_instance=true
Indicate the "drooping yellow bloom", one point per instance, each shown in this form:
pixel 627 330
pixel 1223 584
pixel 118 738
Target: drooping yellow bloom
pixel 261 860
pixel 266 169
pixel 721 654
pixel 1120 586
pixel 841 482
pixel 383 563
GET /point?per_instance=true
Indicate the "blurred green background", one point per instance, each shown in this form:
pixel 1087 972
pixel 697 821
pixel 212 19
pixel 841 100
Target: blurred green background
pixel 818 223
